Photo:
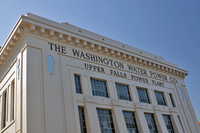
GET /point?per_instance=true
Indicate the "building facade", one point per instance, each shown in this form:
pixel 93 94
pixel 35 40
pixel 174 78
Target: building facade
pixel 58 78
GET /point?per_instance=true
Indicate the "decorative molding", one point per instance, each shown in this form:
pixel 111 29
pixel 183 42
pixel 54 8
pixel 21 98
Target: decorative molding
pixel 105 50
pixel 135 59
pixel 112 52
pixel 84 43
pixel 98 47
pixel 16 37
pixel 3 57
pixel 12 42
pixel 32 27
pixel 51 33
pixel 60 36
pixel 42 30
pixel 26 27
pixel 77 40
pixel 69 38
pixel 20 31
pixel 9 48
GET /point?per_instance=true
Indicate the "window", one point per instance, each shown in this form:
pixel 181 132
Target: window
pixel 123 92
pixel 171 97
pixel 143 95
pixel 4 108
pixel 82 120
pixel 105 121
pixel 168 123
pixel 77 83
pixel 99 87
pixel 181 93
pixel 12 99
pixel 151 123
pixel 160 98
pixel 130 122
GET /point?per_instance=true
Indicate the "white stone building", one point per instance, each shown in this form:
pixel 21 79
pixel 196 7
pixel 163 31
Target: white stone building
pixel 58 78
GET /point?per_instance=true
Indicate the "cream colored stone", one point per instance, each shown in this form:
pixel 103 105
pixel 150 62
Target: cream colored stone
pixel 46 101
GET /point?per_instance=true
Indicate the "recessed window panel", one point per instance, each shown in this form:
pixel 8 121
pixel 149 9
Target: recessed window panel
pixel 123 92
pixel 105 121
pixel 181 92
pixel 130 122
pixel 151 123
pixel 160 98
pixel 77 83
pixel 172 100
pixel 13 99
pixel 143 95
pixel 99 88
pixel 168 123
pixel 4 108
pixel 82 120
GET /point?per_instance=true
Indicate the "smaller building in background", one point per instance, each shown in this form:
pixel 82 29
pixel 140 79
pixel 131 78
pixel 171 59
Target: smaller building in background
pixel 199 121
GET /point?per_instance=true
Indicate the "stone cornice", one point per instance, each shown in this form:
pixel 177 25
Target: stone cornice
pixel 77 40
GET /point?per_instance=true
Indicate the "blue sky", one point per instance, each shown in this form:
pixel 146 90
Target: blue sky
pixel 167 28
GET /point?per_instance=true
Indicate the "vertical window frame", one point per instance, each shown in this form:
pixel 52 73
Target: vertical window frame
pixel 80 83
pixel 4 109
pixel 128 123
pixel 147 95
pixel 169 122
pixel 164 99
pixel 172 100
pixel 155 129
pixel 128 91
pixel 82 119
pixel 109 116
pixel 12 102
pixel 95 92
